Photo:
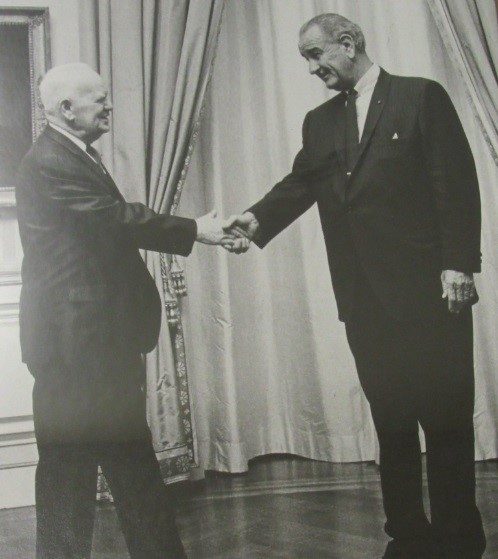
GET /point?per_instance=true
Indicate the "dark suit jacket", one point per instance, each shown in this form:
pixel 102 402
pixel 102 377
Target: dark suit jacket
pixel 87 296
pixel 410 207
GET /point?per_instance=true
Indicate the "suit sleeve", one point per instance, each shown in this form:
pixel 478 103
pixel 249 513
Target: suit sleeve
pixel 98 212
pixel 453 179
pixel 288 199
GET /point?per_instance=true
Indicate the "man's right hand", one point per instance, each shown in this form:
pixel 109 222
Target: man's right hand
pixel 210 231
pixel 245 224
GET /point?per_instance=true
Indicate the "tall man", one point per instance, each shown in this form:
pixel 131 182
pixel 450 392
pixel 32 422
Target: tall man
pixel 388 163
pixel 89 310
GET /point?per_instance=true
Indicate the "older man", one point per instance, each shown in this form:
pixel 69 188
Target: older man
pixel 89 310
pixel 388 163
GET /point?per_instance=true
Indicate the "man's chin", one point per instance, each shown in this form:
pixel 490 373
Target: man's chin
pixel 332 83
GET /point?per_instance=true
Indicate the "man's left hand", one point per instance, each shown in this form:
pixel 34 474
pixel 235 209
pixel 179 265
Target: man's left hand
pixel 459 289
pixel 210 232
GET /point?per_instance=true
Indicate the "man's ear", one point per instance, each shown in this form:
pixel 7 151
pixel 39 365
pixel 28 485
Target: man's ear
pixel 66 109
pixel 349 46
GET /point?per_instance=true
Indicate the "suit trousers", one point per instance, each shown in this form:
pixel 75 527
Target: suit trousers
pixel 421 373
pixel 83 421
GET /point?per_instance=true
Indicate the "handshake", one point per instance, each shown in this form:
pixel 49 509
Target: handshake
pixel 233 234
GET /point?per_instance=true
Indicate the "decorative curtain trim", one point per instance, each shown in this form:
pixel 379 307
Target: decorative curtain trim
pixel 456 50
pixel 176 275
pixel 178 467
pixel 174 286
pixel 196 127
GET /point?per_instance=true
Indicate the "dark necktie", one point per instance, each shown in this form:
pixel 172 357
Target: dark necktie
pixel 352 135
pixel 95 155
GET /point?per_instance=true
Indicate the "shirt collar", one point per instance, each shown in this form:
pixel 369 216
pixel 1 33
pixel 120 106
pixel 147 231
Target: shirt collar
pixel 80 143
pixel 368 80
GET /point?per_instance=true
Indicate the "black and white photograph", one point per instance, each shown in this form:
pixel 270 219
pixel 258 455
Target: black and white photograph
pixel 248 279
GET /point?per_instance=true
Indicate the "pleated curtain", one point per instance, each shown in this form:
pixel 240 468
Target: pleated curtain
pixel 270 368
pixel 157 56
pixel 469 29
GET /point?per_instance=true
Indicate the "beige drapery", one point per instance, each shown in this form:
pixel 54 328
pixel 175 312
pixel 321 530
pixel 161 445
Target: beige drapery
pixel 268 360
pixel 157 56
pixel 469 29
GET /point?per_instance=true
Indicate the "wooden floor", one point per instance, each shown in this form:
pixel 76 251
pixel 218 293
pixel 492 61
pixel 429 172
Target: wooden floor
pixel 285 507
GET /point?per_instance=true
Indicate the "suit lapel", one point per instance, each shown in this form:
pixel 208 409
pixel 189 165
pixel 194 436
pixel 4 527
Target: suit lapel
pixel 110 182
pixel 377 104
pixel 339 131
pixel 340 128
pixel 89 162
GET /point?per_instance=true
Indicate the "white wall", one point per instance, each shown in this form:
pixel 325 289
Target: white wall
pixel 18 454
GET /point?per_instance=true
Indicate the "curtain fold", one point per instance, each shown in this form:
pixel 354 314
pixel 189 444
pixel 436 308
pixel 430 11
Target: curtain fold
pixel 469 29
pixel 270 368
pixel 157 56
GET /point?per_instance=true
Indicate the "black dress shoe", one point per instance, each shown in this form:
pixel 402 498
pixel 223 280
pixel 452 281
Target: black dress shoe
pixel 459 555
pixel 410 549
pixel 460 550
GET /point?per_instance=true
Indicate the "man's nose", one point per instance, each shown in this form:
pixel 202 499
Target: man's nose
pixel 313 66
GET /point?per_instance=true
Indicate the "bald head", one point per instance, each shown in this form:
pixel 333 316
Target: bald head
pixel 66 82
pixel 76 98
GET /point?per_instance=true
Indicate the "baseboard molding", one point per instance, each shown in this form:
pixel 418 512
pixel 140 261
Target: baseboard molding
pixel 10 277
pixel 20 425
pixel 17 486
pixel 9 312
pixel 18 459
pixel 19 453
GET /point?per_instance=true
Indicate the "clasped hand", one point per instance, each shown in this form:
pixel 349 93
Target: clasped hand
pixel 233 234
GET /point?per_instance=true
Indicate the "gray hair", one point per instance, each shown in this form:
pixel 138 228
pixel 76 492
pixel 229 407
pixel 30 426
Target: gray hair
pixel 335 26
pixel 64 82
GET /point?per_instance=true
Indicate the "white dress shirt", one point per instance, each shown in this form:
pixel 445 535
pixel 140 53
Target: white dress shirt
pixel 80 143
pixel 365 87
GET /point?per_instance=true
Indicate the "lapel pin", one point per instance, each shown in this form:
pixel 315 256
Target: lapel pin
pixel 395 136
